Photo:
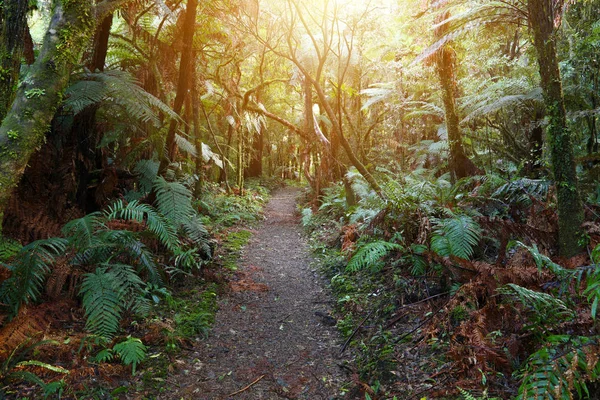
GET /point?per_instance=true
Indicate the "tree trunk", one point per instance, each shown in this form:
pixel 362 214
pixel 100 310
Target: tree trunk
pixel 183 83
pixel 337 129
pixel 26 123
pixel 570 209
pixel 460 165
pixel 13 25
pixel 84 131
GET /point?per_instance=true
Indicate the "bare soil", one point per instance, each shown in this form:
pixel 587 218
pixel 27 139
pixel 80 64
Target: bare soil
pixel 272 338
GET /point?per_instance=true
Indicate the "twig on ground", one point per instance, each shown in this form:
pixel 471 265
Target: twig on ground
pixel 356 330
pixel 247 387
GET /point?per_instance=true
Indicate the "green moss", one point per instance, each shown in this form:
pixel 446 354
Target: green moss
pixel 12 135
pixel 232 245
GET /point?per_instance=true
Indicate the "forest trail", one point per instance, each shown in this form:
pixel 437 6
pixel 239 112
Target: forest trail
pixel 266 330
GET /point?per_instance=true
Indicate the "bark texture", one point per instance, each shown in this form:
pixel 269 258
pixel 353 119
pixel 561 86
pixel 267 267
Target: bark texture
pixel 28 119
pixel 570 209
pixel 183 82
pixel 13 25
pixel 460 165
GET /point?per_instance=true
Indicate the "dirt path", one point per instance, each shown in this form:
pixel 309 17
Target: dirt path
pixel 266 330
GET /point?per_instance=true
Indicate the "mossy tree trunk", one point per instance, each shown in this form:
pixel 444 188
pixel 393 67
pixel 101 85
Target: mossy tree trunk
pixel 460 165
pixel 13 25
pixel 542 19
pixel 23 129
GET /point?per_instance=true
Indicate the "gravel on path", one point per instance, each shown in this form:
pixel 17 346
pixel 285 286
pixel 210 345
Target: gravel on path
pixel 272 338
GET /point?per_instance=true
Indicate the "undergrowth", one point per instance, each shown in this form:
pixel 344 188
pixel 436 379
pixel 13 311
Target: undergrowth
pixel 148 278
pixel 442 285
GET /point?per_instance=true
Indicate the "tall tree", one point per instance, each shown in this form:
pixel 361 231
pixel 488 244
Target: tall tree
pixel 185 78
pixel 445 59
pixel 28 119
pixel 543 15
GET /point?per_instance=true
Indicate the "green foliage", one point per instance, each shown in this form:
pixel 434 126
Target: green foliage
pixel 109 291
pixel 131 352
pixel 455 236
pixel 8 249
pixel 13 369
pixel 144 213
pixel 116 89
pixel 173 200
pixel 368 255
pixel 28 271
pixel 563 365
pixel 543 309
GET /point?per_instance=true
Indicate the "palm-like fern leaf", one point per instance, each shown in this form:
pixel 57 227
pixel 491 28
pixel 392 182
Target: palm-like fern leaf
pixel 455 236
pixel 369 255
pixel 28 272
pixel 81 232
pixel 131 351
pixel 118 88
pixel 173 200
pixel 103 302
pixel 139 212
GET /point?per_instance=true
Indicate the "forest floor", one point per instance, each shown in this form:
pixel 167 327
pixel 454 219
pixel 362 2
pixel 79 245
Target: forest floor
pixel 273 337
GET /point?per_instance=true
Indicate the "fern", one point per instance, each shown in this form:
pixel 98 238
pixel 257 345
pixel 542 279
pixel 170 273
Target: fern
pixel 131 352
pixel 117 88
pixel 156 223
pixel 368 256
pixel 544 309
pixel 103 298
pixel 455 236
pixel 173 200
pixel 563 365
pixel 147 171
pixel 28 272
pixel 195 231
pixel 8 249
pixel 81 232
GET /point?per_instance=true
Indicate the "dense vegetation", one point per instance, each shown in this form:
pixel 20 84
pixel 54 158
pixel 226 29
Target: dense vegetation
pixel 449 149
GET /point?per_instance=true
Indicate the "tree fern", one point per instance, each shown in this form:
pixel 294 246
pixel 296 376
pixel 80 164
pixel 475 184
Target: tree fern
pixel 368 256
pixel 455 236
pixel 28 272
pixel 118 88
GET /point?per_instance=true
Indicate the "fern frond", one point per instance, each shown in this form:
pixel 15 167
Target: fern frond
pixel 195 230
pixel 28 272
pixel 102 302
pixel 562 366
pixel 455 236
pixel 80 232
pixel 131 351
pixel 520 191
pixel 146 171
pixel 545 309
pixel 185 145
pixel 8 249
pixel 368 256
pixel 156 223
pixel 173 200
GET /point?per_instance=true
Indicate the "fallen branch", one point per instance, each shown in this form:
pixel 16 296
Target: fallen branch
pixel 247 387
pixel 356 330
